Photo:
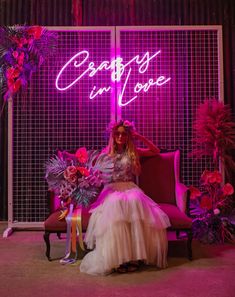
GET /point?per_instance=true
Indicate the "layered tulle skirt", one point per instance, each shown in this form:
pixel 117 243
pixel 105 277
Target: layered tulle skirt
pixel 125 225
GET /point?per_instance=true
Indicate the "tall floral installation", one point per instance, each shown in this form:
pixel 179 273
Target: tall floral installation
pixel 212 203
pixel 23 49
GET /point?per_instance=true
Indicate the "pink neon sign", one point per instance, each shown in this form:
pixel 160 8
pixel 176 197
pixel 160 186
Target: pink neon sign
pixel 117 69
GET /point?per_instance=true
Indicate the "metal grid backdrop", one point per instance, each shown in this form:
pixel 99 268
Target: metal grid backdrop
pixel 48 119
pixel 192 58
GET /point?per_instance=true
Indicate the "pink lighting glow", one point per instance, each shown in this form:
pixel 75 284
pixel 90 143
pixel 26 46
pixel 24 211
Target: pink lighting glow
pixel 117 69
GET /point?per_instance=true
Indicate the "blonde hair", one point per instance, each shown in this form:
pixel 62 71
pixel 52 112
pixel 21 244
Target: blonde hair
pixel 130 148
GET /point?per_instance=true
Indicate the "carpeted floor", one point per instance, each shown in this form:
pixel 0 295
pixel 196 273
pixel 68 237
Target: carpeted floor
pixel 25 271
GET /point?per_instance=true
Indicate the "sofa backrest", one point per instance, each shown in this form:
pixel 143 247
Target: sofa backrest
pixel 157 178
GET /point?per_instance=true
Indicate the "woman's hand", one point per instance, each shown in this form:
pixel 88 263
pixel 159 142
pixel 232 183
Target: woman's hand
pixel 137 135
pixel 151 149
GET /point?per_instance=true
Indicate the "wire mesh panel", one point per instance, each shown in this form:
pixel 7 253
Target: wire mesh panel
pixel 51 118
pixel 162 75
pixel 174 70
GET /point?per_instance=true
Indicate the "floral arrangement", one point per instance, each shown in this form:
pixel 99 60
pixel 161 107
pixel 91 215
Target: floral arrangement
pixel 130 126
pixel 77 178
pixel 23 50
pixel 209 205
pixel 214 133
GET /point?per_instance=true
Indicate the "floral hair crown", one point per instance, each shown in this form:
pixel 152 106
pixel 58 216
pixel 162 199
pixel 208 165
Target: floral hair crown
pixel 129 126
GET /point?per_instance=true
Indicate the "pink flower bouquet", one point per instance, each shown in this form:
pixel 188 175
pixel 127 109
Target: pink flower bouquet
pixel 209 204
pixel 78 177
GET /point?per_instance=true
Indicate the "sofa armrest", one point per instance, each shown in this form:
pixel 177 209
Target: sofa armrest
pixel 181 194
pixel 53 201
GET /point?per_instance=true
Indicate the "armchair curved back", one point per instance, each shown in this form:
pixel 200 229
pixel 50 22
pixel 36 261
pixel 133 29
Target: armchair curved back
pixel 159 176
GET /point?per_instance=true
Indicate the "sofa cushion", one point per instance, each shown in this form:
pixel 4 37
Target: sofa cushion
pixel 53 224
pixel 178 219
pixel 157 178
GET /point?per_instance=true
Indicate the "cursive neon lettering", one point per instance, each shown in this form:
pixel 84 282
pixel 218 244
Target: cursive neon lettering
pixel 99 92
pixel 117 69
pixel 120 103
pixel 139 87
pixel 75 65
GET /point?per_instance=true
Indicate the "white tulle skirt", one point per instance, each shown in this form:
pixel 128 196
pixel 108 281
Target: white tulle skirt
pixel 125 225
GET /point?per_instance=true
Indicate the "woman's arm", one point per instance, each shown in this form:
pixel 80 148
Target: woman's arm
pixel 151 149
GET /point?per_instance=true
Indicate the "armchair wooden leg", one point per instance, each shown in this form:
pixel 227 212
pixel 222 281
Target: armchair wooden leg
pixel 189 244
pixel 58 235
pixel 177 234
pixel 46 237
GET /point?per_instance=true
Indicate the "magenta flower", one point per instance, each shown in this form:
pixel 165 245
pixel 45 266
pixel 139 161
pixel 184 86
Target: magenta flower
pixel 70 171
pixel 194 192
pixel 228 189
pixel 83 171
pixel 82 155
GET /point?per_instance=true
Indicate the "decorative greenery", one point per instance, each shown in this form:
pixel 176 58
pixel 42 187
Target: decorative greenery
pixel 212 203
pixel 214 133
pixel 23 50
pixel 209 205
pixel 214 229
pixel 77 178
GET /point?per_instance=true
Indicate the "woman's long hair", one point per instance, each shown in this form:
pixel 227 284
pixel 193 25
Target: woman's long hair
pixel 129 147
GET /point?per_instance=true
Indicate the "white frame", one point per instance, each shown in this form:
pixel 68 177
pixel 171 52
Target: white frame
pixel 115 110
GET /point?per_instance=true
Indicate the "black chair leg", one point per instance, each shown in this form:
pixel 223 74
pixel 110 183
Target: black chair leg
pixel 177 234
pixel 46 237
pixel 58 235
pixel 189 244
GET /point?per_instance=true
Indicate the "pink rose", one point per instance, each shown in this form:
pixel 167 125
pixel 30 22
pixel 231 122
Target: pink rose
pixel 9 72
pixel 36 31
pixel 70 171
pixel 30 41
pixel 216 211
pixel 72 179
pixel 15 54
pixel 206 202
pixel 228 189
pixel 204 176
pixel 194 192
pixel 215 177
pixel 83 171
pixel 129 125
pixel 14 85
pixel 20 59
pixel 12 73
pixel 211 177
pixel 126 123
pixel 24 41
pixel 82 155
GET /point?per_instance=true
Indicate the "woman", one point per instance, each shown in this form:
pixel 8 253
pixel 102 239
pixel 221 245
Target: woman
pixel 126 226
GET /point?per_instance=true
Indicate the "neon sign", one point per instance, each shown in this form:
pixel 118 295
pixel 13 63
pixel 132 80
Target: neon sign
pixel 117 69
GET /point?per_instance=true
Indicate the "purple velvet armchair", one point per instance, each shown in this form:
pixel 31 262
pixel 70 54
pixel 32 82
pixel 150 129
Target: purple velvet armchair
pixel 160 180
